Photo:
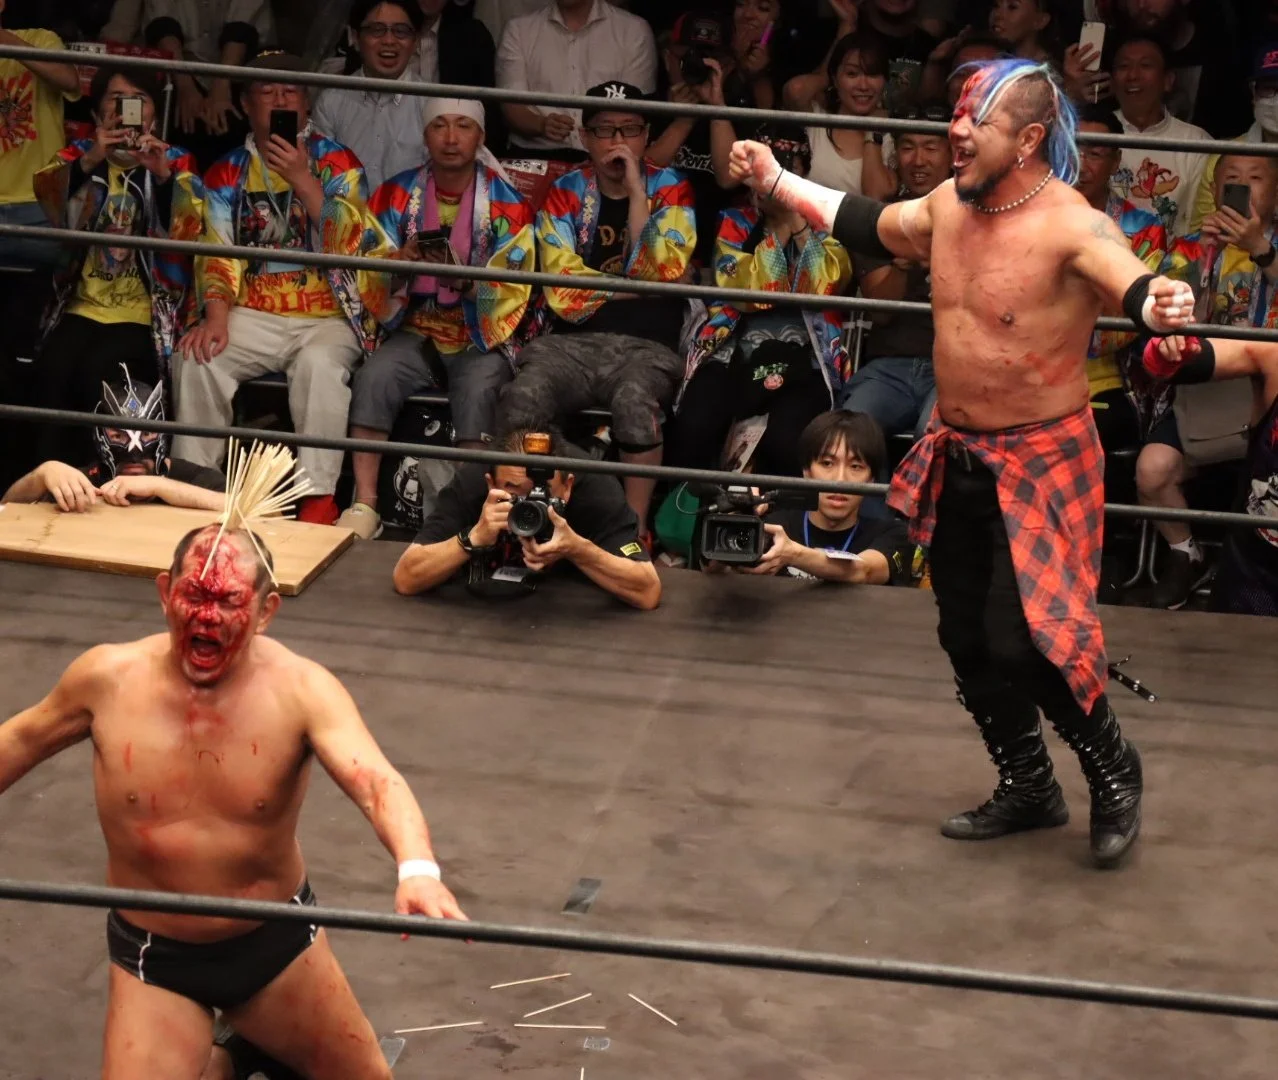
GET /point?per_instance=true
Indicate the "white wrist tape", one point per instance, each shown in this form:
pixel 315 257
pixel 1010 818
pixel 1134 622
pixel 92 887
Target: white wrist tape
pixel 410 868
pixel 1158 325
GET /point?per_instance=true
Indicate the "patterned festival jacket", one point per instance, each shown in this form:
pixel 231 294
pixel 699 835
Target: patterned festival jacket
pixel 174 214
pixel 502 238
pixel 569 219
pixel 230 218
pixel 822 268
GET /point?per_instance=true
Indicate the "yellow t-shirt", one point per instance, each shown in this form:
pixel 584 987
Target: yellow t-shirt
pixel 281 287
pixel 30 120
pixel 446 327
pixel 111 289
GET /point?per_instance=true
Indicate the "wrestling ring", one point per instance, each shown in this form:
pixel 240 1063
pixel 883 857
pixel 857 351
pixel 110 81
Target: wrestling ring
pixel 691 809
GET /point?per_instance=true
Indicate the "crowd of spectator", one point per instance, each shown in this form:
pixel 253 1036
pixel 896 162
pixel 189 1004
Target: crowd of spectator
pixel 273 165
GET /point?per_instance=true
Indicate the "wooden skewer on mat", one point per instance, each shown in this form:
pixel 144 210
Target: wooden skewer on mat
pixel 566 1027
pixel 652 1010
pixel 551 1008
pixel 525 982
pixel 436 1027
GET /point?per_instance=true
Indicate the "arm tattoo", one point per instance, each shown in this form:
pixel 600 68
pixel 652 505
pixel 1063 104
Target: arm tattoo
pixel 1103 228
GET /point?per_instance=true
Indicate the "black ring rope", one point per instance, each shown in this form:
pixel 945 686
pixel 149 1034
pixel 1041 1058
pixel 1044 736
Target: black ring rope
pixel 703 952
pixel 576 465
pixel 601 283
pixel 578 101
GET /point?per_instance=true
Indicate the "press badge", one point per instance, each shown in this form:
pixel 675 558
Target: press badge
pixel 850 556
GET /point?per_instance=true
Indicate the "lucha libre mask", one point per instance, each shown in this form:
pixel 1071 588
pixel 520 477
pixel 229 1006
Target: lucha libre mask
pixel 120 447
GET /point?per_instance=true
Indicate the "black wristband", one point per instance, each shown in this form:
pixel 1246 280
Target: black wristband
pixel 1200 369
pixel 1134 302
pixel 1265 261
pixel 856 226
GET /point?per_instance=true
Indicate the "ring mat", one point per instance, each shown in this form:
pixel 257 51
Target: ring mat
pixel 139 540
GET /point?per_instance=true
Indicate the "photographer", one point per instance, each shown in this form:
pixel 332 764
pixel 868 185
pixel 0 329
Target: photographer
pixel 593 529
pixel 833 542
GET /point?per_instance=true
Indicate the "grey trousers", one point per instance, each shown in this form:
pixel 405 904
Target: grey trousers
pixel 317 355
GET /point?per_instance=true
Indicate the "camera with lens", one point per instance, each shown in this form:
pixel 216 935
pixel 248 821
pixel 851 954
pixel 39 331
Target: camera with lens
pixel 693 66
pixel 530 514
pixel 729 529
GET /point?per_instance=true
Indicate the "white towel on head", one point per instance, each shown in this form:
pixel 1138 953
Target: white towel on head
pixel 437 107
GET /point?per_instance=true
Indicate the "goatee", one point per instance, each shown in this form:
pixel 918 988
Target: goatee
pixel 974 195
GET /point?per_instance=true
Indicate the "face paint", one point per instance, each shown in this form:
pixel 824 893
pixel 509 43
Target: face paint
pixel 125 451
pixel 212 619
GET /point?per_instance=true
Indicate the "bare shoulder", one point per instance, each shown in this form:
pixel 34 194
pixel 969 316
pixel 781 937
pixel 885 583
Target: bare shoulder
pixel 942 198
pixel 112 661
pixel 307 680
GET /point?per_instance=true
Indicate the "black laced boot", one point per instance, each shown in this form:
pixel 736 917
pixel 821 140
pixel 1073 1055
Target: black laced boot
pixel 1027 796
pixel 1111 765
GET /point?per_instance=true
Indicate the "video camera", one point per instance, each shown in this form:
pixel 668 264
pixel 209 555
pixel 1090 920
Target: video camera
pixel 728 528
pixel 530 514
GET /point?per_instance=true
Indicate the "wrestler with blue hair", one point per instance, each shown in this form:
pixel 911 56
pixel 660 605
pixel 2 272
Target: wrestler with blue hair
pixel 1006 488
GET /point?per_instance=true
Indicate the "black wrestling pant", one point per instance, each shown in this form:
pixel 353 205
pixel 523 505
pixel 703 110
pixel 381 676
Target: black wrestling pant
pixel 1001 674
pixel 216 974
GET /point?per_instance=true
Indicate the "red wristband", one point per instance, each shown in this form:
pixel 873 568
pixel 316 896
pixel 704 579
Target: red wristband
pixel 1162 368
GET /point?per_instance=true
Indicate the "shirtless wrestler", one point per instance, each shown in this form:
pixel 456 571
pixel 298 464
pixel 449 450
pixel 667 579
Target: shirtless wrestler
pixel 1006 487
pixel 202 741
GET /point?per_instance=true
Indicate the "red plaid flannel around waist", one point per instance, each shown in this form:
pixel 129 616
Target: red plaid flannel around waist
pixel 1052 494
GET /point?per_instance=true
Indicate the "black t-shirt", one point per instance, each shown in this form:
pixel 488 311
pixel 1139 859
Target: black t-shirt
pixel 694 161
pixel 906 334
pixel 181 470
pixel 597 510
pixel 652 318
pixel 889 536
pixel 906 56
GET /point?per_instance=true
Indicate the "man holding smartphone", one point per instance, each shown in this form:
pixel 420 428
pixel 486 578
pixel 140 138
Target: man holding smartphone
pixel 287 187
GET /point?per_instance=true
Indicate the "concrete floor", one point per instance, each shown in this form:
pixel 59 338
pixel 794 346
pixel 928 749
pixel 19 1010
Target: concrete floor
pixel 758 761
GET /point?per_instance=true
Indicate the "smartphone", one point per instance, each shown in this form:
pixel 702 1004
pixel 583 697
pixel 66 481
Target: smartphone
pixel 284 124
pixel 129 110
pixel 1238 198
pixel 435 246
pixel 1094 35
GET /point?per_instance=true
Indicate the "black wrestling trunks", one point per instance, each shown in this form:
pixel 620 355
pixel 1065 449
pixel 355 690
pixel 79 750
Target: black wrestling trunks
pixel 217 974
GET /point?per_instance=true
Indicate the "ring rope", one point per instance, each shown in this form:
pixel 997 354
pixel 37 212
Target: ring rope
pixel 601 283
pixel 578 465
pixel 703 952
pixel 578 101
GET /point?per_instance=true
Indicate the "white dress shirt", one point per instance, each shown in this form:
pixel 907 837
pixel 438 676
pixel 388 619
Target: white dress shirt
pixel 201 21
pixel 495 14
pixel 426 62
pixel 539 52
pixel 384 131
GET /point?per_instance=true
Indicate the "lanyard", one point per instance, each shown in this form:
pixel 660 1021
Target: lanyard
pixel 807 541
pixel 281 215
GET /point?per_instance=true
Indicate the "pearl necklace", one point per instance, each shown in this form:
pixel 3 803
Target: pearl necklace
pixel 1019 202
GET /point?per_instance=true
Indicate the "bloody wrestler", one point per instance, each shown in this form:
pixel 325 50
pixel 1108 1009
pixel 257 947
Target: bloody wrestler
pixel 202 742
pixel 1005 489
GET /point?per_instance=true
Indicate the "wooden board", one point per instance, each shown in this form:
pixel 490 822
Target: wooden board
pixel 139 540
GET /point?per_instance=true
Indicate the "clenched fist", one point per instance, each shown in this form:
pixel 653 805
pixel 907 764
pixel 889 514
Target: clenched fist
pixel 752 163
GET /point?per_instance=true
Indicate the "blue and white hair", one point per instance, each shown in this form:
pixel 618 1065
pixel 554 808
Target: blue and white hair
pixel 991 79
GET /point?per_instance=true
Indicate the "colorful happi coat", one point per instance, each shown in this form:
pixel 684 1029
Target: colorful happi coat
pixel 493 316
pixel 569 219
pixel 748 257
pixel 173 213
pixel 249 207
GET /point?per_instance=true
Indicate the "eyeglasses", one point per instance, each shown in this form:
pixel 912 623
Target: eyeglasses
pixel 399 31
pixel 610 131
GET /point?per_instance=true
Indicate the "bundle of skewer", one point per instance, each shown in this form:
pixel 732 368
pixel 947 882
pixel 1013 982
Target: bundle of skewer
pixel 263 482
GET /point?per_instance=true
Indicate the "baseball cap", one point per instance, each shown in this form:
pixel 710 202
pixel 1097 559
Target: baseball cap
pixel 276 60
pixel 615 93
pixel 698 28
pixel 1266 67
